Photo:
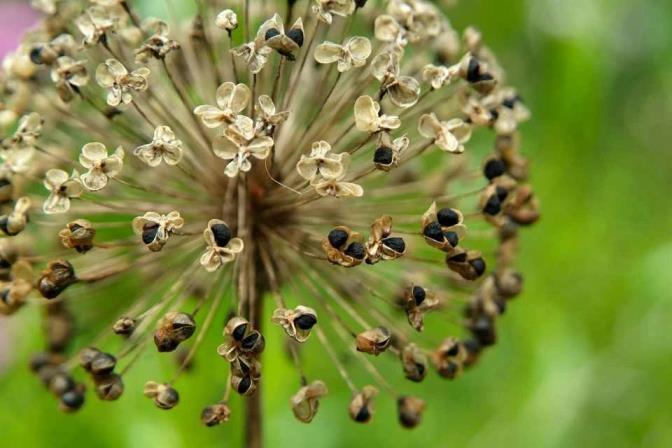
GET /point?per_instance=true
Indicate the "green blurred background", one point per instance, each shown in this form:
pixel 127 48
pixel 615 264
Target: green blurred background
pixel 585 355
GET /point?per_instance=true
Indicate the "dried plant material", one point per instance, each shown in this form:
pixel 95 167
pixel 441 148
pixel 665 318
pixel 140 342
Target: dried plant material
pixel 306 401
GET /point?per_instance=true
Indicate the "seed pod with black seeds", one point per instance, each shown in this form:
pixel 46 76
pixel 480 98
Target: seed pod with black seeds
pixel 419 301
pixel 109 387
pixel 374 341
pixel 73 399
pixel 449 358
pixel 164 395
pixel 470 265
pixel 297 323
pixel 344 247
pixel 443 228
pixel 410 411
pixel 414 363
pixel 172 329
pixel 78 235
pixel 215 414
pixel 56 278
pixel 306 401
pixel 361 407
pixel 124 326
pixel 15 222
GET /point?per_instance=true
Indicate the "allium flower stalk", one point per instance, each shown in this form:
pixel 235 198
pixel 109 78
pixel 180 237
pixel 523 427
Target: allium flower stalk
pixel 313 157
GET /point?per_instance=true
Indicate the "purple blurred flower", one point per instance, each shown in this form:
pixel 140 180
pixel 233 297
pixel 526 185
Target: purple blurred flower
pixel 15 18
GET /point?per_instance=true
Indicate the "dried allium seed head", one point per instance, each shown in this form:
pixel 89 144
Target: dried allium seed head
pixel 283 172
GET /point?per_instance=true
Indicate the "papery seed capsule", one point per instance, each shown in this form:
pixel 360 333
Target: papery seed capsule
pixel 306 401
pixel 56 278
pixel 124 326
pixel 172 329
pixel 78 235
pixel 6 190
pixel 164 395
pixel 244 385
pixel 86 357
pixel 483 330
pixel 109 387
pixel 410 411
pixel 253 343
pixel 509 283
pixel 414 363
pixel 361 407
pixel 473 349
pixel 215 414
pixel 60 383
pixel 374 341
pixel 102 364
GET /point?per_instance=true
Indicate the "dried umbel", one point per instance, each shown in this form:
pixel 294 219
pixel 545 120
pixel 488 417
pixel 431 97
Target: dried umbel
pixel 322 161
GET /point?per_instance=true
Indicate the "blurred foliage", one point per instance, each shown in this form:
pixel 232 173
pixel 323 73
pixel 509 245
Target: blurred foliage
pixel 584 357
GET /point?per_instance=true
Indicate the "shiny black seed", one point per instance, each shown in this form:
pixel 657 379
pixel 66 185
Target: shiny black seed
pixel 363 415
pixel 222 234
pixel 360 3
pixel 452 238
pixel 73 399
pixel 338 238
pixel 473 70
pixel 383 156
pixel 396 244
pixel 473 346
pixel 296 35
pixel 36 55
pixel 509 102
pixel 356 251
pixel 448 217
pixel 244 385
pixel 149 232
pixel 479 265
pixel 493 206
pixel 418 294
pixel 305 322
pixel 271 33
pixel 250 341
pixel 502 193
pixel 494 168
pixel 239 332
pixel 434 232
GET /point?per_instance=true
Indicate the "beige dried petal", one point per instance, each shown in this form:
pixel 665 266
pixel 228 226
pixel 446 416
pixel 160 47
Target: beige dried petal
pixel 305 402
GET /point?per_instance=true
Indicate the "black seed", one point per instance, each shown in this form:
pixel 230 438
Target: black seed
pixel 458 258
pixel 452 238
pixel 363 415
pixel 244 385
pixel 383 156
pixel 420 368
pixel 493 206
pixel 485 77
pixel 494 168
pixel 450 371
pixel 502 193
pixel 3 225
pixel 433 231
pixel 305 322
pixel 356 251
pixel 494 114
pixel 360 3
pixel 36 55
pixel 73 399
pixel 149 232
pixel 222 234
pixel 453 351
pixel 296 35
pixel 250 341
pixel 271 33
pixel 418 294
pixel 473 346
pixel 164 345
pixel 239 332
pixel 448 217
pixel 473 70
pixel 479 265
pixel 509 102
pixel 4 296
pixel 338 238
pixel 396 244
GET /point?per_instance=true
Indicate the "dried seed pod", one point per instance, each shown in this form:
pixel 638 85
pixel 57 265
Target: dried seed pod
pixel 78 235
pixel 215 414
pixel 361 407
pixel 124 326
pixel 380 245
pixel 509 283
pixel 109 387
pixel 414 363
pixel 102 364
pixel 61 383
pixel 470 265
pixel 449 358
pixel 483 329
pixel 164 396
pixel 241 339
pixel 419 301
pixel 56 278
pixel 86 357
pixel 13 223
pixel 173 329
pixel 244 385
pixel 473 349
pixel 306 401
pixel 410 411
pixel 344 247
pixel 374 341
pixel 444 228
pixel 297 323
pixel 73 399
